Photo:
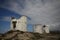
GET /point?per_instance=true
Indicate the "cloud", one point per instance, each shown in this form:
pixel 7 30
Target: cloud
pixel 6 18
pixel 40 11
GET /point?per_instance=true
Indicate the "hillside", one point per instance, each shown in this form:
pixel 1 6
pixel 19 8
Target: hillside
pixel 20 35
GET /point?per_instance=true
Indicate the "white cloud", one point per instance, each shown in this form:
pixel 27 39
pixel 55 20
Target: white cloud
pixel 6 18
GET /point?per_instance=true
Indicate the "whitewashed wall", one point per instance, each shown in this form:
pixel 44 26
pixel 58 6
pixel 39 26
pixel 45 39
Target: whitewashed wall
pixel 22 24
pixel 47 29
pixel 38 28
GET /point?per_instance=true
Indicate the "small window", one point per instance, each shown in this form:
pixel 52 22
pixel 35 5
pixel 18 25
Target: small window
pixel 14 24
pixel 44 26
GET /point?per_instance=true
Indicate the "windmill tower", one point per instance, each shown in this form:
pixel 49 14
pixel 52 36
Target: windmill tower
pixel 46 28
pixel 38 28
pixel 22 23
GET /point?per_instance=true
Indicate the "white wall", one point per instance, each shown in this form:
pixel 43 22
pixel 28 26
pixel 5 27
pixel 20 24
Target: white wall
pixel 38 28
pixel 22 24
pixel 47 29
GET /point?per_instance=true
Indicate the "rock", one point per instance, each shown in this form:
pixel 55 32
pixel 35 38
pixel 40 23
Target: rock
pixel 20 35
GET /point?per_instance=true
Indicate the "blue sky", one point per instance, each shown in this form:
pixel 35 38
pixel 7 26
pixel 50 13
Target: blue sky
pixel 5 20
